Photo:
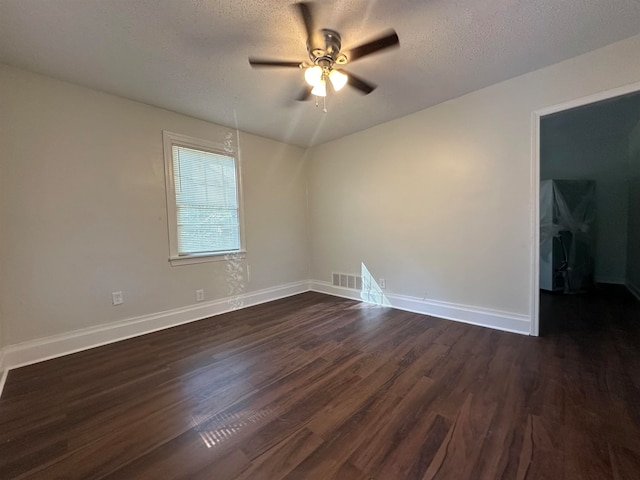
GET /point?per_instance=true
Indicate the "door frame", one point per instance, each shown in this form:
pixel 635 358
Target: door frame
pixel 536 116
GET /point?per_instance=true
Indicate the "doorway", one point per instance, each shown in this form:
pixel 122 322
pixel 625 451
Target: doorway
pixel 590 145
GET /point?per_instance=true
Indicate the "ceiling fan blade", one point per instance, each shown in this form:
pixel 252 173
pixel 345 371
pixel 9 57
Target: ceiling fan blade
pixel 306 13
pixel 387 40
pixel 305 94
pixel 360 84
pixel 256 62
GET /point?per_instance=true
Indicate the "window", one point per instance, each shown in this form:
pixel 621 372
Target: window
pixel 203 199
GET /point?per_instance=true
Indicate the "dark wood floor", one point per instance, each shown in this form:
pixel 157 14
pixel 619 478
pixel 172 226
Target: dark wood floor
pixel 317 387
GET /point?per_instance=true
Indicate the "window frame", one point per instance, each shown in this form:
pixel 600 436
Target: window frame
pixel 169 140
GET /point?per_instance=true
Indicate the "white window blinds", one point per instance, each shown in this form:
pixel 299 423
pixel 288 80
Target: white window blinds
pixel 206 201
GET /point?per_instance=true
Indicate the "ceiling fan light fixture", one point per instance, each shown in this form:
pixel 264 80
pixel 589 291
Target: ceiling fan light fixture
pixel 313 75
pixel 324 47
pixel 338 79
pixel 320 90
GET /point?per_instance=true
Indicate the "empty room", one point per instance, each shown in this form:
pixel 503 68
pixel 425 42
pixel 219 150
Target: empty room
pixel 362 239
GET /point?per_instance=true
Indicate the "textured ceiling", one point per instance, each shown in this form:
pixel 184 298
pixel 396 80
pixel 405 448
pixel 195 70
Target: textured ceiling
pixel 190 56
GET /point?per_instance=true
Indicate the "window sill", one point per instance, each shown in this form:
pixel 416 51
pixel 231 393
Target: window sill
pixel 208 257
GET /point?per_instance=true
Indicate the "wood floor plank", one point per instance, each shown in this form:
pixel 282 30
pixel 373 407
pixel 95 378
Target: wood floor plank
pixel 460 450
pixel 283 458
pixel 384 452
pixel 347 471
pixel 165 461
pixel 501 447
pixel 320 387
pixel 625 462
pixel 343 438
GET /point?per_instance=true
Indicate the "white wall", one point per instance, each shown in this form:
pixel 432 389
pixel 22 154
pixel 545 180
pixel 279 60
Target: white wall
pixel 633 242
pixel 83 210
pixel 439 202
pixel 606 161
pixel 2 227
pixel 2 362
pixel 1 316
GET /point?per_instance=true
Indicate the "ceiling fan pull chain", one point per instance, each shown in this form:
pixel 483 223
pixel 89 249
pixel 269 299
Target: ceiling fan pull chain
pixel 324 104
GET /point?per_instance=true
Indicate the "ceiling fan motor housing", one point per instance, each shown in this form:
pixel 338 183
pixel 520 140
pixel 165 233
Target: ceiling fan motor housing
pixel 323 47
pixel 329 53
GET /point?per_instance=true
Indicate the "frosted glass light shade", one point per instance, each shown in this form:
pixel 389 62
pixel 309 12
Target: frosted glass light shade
pixel 338 79
pixel 313 75
pixel 320 90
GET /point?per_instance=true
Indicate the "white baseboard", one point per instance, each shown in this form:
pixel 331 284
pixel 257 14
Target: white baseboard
pixel 3 371
pixel 34 351
pixel 508 322
pixel 330 289
pixel 18 355
pixel 634 289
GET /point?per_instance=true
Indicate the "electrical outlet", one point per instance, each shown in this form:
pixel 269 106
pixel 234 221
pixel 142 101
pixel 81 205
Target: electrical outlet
pixel 199 295
pixel 117 298
pixel 382 283
pixel 248 273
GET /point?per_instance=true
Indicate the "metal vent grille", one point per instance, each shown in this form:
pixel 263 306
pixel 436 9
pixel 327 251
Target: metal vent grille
pixel 345 280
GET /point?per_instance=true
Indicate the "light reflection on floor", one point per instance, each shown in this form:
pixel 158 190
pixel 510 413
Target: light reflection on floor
pixel 215 429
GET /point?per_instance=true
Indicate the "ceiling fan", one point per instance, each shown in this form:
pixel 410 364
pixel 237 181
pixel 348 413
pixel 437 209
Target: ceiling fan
pixel 326 57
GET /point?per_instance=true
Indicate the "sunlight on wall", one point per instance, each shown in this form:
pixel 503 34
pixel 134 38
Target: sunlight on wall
pixel 235 265
pixel 371 291
pixel 235 280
